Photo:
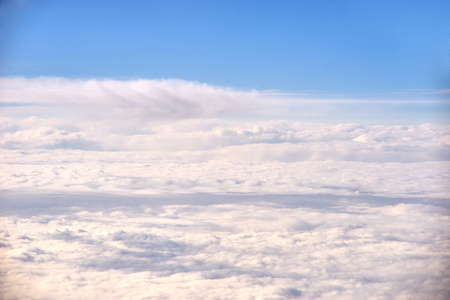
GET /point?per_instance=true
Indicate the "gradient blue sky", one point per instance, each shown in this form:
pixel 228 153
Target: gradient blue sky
pixel 335 46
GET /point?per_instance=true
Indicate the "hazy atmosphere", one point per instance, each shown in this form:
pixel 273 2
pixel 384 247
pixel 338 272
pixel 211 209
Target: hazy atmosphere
pixel 224 150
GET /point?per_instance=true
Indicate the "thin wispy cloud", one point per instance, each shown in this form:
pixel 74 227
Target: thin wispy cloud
pixel 174 99
pixel 135 98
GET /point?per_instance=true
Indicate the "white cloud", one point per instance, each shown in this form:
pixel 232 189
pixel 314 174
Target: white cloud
pixel 131 102
pixel 227 251
pixel 48 138
pixel 220 198
pixel 175 115
pixel 230 140
pixel 57 171
pixel 122 99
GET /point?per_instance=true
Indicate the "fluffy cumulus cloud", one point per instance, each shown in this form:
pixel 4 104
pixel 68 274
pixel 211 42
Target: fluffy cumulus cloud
pixel 159 189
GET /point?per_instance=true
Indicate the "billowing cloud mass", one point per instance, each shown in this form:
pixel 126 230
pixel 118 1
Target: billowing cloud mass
pixel 166 189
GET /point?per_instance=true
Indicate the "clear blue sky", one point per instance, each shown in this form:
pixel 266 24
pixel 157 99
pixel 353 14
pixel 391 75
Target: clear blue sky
pixel 339 46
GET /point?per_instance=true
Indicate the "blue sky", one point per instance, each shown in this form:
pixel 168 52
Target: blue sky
pixel 357 50
pixel 336 46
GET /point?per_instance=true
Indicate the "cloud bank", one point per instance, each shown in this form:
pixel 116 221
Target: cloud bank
pixel 141 173
pixel 227 251
pixel 171 189
pixel 215 139
pixel 179 116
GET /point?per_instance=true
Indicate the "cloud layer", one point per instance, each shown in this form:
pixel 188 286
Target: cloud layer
pixel 226 251
pixel 175 115
pixel 161 173
pixel 264 140
pixel 171 189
